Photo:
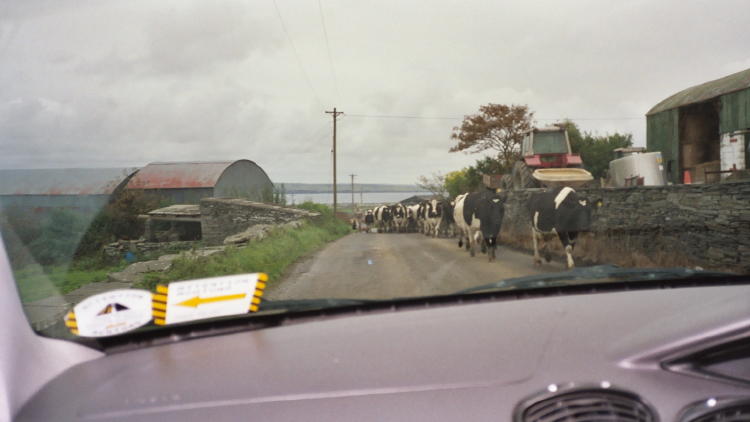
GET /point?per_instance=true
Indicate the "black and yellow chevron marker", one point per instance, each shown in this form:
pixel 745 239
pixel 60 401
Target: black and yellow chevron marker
pixel 260 285
pixel 71 323
pixel 159 304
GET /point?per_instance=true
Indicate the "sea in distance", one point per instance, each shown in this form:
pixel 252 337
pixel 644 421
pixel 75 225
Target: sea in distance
pixel 345 198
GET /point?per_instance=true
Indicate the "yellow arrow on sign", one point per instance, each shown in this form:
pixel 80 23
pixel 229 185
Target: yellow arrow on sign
pixel 196 301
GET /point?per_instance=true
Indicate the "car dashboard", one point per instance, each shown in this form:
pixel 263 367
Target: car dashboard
pixel 665 354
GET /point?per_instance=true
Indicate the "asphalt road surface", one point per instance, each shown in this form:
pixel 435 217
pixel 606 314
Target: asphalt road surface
pixel 387 265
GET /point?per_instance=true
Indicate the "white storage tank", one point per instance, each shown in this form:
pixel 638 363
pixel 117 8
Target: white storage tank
pixel 634 163
pixel 733 151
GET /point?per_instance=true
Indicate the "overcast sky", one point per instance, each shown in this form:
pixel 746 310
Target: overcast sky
pixel 115 84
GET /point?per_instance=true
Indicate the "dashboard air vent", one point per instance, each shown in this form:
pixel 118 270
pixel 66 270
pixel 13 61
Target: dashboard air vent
pixel 584 404
pixel 721 410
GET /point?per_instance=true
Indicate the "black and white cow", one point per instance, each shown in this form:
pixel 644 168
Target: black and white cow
pixel 433 215
pixel 479 217
pixel 447 222
pixel 413 223
pixel 422 212
pixel 369 221
pixel 561 213
pixel 383 218
pixel 398 213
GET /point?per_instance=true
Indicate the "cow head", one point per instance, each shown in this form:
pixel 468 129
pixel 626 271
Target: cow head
pixel 573 212
pixel 435 209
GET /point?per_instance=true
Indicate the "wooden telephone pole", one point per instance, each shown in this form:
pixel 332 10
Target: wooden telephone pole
pixel 334 114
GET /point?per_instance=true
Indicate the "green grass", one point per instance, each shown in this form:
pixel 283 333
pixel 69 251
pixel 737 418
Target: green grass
pixel 272 255
pixel 36 282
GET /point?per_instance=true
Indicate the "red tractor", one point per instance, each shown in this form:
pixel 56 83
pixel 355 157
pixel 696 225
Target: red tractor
pixel 547 160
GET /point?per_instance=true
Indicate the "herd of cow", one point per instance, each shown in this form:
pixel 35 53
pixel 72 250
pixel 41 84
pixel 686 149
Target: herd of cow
pixel 477 217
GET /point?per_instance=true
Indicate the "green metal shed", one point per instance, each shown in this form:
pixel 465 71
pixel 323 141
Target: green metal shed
pixel 686 127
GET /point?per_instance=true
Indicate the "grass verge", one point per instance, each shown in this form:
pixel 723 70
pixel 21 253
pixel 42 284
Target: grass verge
pixel 36 282
pixel 271 255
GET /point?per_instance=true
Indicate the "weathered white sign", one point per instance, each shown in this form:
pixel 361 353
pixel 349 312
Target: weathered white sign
pixel 192 300
pixel 110 313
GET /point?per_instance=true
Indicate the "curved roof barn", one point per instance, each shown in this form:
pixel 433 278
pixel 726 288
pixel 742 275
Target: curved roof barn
pixel 77 181
pixel 187 182
pixel 80 188
pixel 705 91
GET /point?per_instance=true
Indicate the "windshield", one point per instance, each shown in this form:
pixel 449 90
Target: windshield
pixel 550 143
pixel 170 162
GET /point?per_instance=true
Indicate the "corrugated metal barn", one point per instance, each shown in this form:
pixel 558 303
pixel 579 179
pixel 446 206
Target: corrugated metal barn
pixel 86 189
pixel 691 127
pixel 188 182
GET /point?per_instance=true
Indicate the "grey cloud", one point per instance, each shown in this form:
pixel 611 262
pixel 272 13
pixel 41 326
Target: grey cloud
pixel 104 83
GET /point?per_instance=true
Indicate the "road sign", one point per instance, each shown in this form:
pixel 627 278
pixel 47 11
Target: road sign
pixel 110 313
pixel 192 300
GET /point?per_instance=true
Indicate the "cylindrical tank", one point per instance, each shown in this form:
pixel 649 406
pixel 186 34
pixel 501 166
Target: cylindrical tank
pixel 647 165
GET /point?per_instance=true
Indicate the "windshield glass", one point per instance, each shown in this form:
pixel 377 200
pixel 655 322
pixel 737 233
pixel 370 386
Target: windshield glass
pixel 550 143
pixel 329 153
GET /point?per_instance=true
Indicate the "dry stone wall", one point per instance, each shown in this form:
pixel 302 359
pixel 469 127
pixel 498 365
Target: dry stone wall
pixel 221 218
pixel 681 225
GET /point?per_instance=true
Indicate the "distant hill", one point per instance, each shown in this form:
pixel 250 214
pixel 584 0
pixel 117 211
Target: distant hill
pixel 342 187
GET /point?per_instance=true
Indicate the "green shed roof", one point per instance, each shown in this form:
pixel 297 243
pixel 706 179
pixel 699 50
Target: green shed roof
pixel 705 91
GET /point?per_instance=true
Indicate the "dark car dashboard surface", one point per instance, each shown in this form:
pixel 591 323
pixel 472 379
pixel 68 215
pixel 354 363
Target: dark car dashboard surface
pixel 678 354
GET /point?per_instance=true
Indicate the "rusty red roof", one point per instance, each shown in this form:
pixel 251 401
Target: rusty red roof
pixel 75 181
pixel 179 175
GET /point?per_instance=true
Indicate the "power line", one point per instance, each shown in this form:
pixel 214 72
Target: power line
pixel 416 117
pixel 590 118
pixel 296 55
pixel 328 49
pixel 391 116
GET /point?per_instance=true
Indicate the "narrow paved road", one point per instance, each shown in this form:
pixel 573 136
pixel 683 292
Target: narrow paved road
pixel 380 266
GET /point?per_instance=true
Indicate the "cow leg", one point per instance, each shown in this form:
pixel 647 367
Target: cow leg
pixel 537 258
pixel 568 244
pixel 472 242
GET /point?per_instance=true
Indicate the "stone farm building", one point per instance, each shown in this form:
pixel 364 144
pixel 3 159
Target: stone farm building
pixel 702 130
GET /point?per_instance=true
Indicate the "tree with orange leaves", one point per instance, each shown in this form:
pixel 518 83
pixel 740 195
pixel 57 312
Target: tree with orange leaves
pixel 496 126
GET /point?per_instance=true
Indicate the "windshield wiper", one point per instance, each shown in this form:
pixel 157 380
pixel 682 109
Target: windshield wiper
pixel 585 275
pixel 310 304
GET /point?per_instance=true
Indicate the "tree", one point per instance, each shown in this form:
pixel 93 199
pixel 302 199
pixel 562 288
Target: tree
pixel 596 151
pixel 434 184
pixel 498 127
pixel 458 182
pixel 469 179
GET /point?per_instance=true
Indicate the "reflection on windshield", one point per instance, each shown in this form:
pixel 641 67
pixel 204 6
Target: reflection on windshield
pixel 352 164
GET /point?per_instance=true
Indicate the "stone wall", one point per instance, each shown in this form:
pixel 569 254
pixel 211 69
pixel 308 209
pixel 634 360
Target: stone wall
pixel 221 218
pixel 142 248
pixel 681 225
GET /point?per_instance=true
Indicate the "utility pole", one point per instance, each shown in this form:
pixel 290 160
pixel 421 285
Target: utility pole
pixel 334 114
pixel 352 176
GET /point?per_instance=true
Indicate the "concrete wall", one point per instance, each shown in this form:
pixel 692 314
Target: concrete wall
pixel 224 217
pixel 681 225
